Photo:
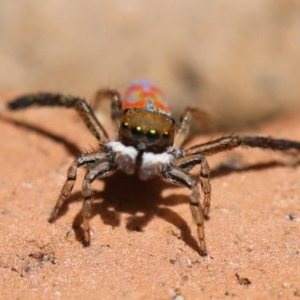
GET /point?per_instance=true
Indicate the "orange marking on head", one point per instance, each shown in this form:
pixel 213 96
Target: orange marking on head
pixel 144 94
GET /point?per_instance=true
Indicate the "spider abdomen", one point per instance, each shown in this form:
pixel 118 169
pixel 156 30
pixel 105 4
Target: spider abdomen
pixel 145 94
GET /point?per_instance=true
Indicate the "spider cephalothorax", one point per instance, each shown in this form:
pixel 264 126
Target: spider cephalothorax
pixel 148 144
pixel 146 130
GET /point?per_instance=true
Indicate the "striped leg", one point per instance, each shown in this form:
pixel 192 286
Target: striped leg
pixel 232 141
pixel 116 104
pixel 66 191
pixel 187 163
pixel 185 124
pixel 177 176
pixel 100 170
pixel 205 185
pixel 47 99
pixel 71 178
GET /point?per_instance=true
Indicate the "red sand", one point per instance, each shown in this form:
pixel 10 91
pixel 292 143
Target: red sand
pixel 144 241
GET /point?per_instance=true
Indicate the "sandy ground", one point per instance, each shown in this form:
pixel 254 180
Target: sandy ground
pixel 144 241
pixel 237 60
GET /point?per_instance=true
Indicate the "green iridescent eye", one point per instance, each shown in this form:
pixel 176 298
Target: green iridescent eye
pixel 138 130
pixel 152 134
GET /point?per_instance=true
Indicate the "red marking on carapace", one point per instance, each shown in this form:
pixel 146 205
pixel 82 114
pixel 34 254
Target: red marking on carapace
pixel 144 94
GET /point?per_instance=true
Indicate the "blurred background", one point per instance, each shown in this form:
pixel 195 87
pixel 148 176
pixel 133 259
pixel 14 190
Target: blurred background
pixel 238 60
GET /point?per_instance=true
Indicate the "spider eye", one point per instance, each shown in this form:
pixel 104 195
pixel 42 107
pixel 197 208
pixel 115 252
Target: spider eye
pixel 152 134
pixel 125 125
pixel 166 134
pixel 137 131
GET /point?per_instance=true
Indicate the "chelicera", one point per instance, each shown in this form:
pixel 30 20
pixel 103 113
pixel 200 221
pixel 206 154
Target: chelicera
pixel 149 144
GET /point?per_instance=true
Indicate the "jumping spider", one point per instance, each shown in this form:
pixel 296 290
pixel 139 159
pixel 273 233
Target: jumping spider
pixel 148 144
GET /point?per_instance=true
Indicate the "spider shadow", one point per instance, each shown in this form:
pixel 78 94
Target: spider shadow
pixel 222 170
pixel 140 200
pixel 70 147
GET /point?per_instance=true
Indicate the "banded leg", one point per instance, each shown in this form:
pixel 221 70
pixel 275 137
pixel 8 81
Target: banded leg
pixel 206 187
pixel 116 104
pixel 229 142
pixel 47 99
pixel 100 170
pixel 187 163
pixel 66 191
pixel 177 176
pixel 185 124
pixel 71 178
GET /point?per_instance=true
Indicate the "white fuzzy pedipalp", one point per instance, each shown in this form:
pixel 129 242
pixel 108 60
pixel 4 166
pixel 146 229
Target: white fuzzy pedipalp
pixel 125 156
pixel 153 163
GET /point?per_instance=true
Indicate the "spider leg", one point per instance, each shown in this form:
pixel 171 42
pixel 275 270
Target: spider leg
pixel 187 163
pixel 116 103
pixel 47 99
pixel 185 124
pixel 100 170
pixel 178 176
pixel 233 141
pixel 83 160
pixel 205 185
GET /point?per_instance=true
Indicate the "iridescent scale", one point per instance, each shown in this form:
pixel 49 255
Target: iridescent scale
pixel 145 94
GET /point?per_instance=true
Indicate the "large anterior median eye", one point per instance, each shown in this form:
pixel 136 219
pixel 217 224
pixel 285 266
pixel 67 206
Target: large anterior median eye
pixel 137 131
pixel 152 134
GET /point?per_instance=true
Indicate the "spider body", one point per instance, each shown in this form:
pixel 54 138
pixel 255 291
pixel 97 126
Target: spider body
pixel 146 123
pixel 148 143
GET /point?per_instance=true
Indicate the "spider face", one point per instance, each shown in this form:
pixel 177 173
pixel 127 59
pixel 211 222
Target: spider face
pixel 146 130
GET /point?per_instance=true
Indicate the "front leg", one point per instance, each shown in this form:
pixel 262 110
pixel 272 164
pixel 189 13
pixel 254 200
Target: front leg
pixel 100 170
pixel 178 176
pixel 83 160
pixel 187 163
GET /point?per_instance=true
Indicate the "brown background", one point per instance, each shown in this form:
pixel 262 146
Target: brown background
pixel 237 60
